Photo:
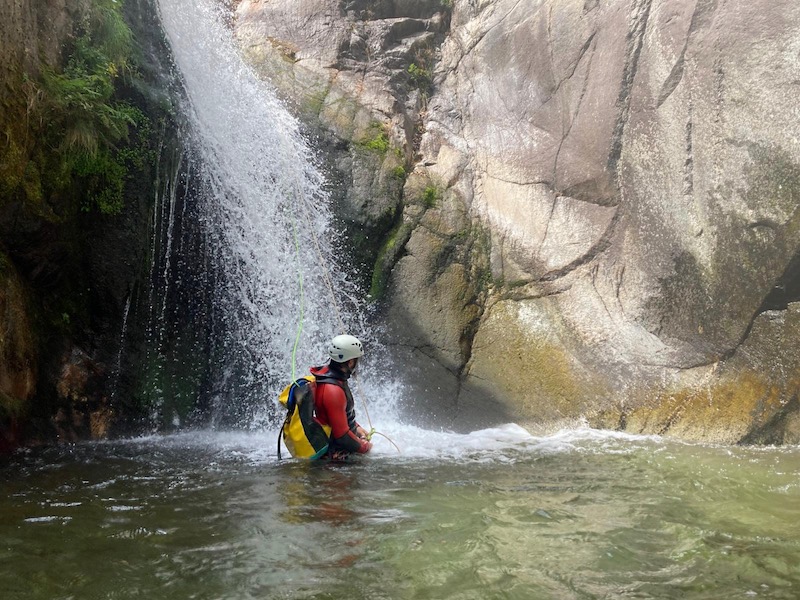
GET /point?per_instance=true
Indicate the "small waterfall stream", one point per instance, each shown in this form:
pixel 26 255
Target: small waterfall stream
pixel 263 209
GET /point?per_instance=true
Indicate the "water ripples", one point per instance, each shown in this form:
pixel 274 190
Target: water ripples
pixel 214 516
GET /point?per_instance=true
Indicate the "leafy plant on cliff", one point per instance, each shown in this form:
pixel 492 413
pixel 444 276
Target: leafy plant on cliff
pixel 420 77
pixel 86 124
pixel 376 139
pixel 431 196
pixel 420 74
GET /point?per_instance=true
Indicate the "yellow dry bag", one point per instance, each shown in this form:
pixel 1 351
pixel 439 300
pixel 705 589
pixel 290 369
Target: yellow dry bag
pixel 302 434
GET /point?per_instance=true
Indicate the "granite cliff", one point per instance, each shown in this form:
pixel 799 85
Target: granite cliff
pixel 573 209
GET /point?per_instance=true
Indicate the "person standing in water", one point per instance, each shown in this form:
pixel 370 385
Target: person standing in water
pixel 333 399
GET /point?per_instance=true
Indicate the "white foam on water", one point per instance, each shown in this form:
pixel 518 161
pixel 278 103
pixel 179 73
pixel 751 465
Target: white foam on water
pixel 48 519
pixel 496 444
pixel 415 442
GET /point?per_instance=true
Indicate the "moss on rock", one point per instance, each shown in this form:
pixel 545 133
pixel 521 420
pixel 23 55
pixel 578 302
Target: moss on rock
pixel 516 348
pixel 76 176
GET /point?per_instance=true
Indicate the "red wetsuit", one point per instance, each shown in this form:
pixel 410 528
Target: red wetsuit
pixel 334 406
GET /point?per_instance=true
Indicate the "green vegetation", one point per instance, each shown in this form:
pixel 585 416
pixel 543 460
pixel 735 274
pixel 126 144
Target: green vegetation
pixel 399 172
pixel 431 196
pixel 315 102
pixel 84 116
pixel 79 137
pixel 419 71
pixel 376 140
pixel 81 130
pixel 387 256
pixel 420 77
pixel 481 259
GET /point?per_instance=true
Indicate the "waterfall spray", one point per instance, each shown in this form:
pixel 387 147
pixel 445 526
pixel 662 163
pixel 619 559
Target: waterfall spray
pixel 258 181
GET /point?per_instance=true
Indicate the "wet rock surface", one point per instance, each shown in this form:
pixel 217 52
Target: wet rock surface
pixel 633 168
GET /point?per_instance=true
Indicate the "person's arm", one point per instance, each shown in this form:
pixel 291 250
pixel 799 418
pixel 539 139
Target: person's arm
pixel 336 405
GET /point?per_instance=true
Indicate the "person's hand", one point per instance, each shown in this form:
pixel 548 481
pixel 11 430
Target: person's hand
pixel 362 433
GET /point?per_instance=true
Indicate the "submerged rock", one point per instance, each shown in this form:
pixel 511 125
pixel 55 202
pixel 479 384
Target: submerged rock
pixel 85 411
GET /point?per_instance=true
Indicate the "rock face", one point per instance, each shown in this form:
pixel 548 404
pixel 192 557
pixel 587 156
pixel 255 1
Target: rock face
pixel 359 74
pixel 600 219
pixel 69 274
pixel 642 210
pixel 31 34
pixel 18 359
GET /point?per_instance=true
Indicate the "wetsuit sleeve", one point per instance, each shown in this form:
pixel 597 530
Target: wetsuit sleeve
pixel 336 405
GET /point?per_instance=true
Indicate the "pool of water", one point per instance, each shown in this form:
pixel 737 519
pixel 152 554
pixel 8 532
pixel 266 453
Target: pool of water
pixel 494 514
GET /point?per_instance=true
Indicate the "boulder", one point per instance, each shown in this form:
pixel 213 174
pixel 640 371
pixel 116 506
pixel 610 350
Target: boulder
pixel 85 411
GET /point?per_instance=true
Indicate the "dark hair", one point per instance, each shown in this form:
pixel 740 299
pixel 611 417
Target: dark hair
pixel 335 366
pixel 340 368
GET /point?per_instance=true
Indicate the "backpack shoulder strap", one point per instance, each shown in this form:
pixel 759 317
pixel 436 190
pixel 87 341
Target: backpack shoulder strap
pixel 333 380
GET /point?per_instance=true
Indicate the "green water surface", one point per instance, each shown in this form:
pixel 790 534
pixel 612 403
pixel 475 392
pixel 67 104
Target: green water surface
pixel 207 516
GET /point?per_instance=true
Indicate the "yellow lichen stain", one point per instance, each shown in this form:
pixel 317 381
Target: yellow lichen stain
pixel 725 411
pixel 287 50
pixel 519 351
pixel 548 379
pixel 543 380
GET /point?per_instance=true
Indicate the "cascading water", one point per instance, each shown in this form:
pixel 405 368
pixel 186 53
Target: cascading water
pixel 263 207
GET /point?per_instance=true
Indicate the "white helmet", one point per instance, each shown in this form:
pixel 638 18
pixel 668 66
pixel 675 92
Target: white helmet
pixel 344 348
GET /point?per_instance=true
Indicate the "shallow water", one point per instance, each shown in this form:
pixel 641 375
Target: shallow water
pixel 493 514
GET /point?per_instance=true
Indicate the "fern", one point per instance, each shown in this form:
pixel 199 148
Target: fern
pixel 86 123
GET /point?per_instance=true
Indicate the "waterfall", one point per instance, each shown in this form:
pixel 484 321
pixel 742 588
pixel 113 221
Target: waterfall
pixel 263 209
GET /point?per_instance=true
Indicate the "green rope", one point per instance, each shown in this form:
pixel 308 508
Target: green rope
pixel 302 297
pixel 373 431
pixel 391 441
